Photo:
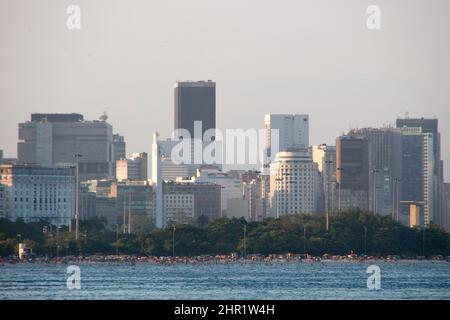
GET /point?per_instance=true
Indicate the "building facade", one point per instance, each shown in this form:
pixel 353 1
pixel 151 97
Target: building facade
pixel 352 172
pixel 325 157
pixel 284 131
pixel 179 208
pixel 418 178
pixel 255 190
pixel 195 101
pixel 31 193
pixel 3 213
pixel 54 139
pixel 384 166
pixel 105 192
pixel 119 150
pixel 133 168
pixel 135 203
pixel 105 208
pixel 431 126
pixel 87 206
pixel 447 206
pixel 294 179
pixel 207 197
pixel 231 185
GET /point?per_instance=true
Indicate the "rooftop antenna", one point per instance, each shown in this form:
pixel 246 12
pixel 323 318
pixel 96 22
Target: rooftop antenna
pixel 407 115
pixel 104 116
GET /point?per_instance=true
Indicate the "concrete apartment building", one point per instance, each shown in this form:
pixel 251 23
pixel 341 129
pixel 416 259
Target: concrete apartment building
pixel 32 192
pixel 135 203
pixel 231 185
pixel 132 168
pixel 105 200
pixel 53 139
pixel 179 208
pixel 207 198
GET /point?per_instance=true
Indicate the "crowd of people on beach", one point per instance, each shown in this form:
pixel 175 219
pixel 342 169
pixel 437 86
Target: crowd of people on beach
pixel 206 259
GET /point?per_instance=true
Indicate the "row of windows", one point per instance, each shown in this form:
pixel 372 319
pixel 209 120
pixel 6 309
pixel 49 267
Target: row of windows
pixel 178 196
pixel 46 181
pixel 41 208
pixel 41 200
pixel 189 201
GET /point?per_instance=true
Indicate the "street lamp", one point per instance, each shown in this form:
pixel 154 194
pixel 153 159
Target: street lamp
pixel 117 239
pixel 365 240
pixel 374 176
pixel 129 212
pixel 124 213
pixel 245 244
pixel 304 239
pixel 393 190
pixel 423 241
pixel 328 200
pixel 376 196
pixel 76 156
pixel 395 204
pixel 57 241
pixel 339 194
pixel 173 241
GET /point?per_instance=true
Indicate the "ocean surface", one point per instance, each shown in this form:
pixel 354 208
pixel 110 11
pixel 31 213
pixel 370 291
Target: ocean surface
pixel 247 281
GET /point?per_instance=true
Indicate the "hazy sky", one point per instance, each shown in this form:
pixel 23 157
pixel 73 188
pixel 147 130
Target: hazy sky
pixel 279 56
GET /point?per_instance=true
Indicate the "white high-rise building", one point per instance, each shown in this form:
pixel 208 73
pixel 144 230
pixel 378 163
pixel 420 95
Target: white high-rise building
pixel 293 131
pixel 157 182
pixel 294 181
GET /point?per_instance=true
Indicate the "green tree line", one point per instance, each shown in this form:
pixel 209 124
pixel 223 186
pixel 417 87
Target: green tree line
pixel 354 231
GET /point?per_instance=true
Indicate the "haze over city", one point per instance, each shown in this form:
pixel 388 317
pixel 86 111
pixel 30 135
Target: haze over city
pixel 307 57
pixel 243 155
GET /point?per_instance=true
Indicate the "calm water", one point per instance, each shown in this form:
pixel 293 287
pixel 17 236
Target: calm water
pixel 331 280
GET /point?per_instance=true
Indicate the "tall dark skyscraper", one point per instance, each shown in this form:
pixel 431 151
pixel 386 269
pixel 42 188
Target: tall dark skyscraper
pixel 352 163
pixel 447 206
pixel 385 157
pixel 352 172
pixel 430 126
pixel 195 101
pixel 418 178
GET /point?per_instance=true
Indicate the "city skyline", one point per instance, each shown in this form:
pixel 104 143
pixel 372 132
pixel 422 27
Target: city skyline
pixel 104 118
pixel 329 79
pixel 242 155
